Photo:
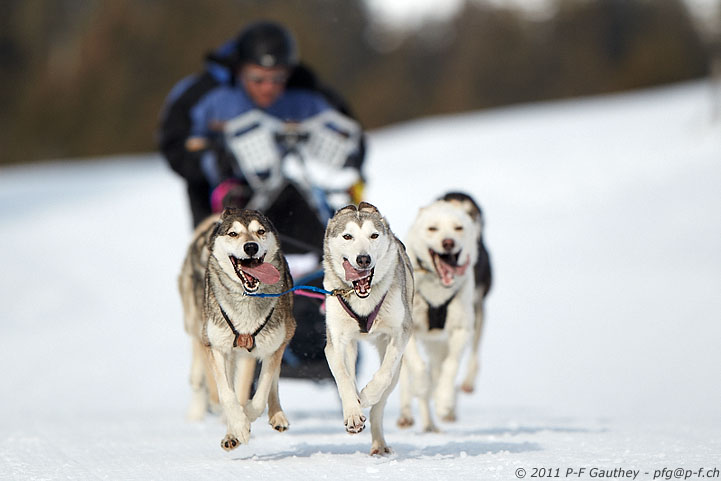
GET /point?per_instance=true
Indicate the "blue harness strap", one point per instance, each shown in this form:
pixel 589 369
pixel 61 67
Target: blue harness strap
pixel 304 287
pixel 296 288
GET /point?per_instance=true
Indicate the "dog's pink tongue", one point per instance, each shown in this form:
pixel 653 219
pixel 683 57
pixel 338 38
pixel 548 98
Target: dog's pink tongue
pixel 265 273
pixel 446 273
pixel 460 270
pixel 351 274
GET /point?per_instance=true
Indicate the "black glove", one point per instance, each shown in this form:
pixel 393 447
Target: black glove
pixel 225 159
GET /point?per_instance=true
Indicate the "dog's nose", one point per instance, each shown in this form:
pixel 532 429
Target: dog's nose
pixel 251 248
pixel 363 261
pixel 448 244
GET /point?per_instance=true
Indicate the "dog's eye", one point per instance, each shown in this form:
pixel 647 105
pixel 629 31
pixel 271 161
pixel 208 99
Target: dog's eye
pixel 347 236
pixel 432 229
pixel 233 234
pixel 261 231
pixel 459 228
pixel 375 235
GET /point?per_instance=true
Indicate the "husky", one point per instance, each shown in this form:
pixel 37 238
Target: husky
pixel 367 266
pixel 483 277
pixel 234 258
pixel 443 245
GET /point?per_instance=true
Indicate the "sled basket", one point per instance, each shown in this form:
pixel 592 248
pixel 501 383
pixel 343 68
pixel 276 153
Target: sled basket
pixel 332 137
pixel 250 137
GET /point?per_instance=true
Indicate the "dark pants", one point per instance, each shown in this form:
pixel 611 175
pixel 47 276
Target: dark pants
pixel 199 197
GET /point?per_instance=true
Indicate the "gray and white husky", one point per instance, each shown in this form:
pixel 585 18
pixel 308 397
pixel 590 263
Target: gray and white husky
pixel 443 244
pixel 230 257
pixel 365 260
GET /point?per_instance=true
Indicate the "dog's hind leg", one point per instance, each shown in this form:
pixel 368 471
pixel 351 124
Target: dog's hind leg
pixel 378 442
pixel 211 385
pixel 198 383
pixel 419 386
pixel 237 421
pixel 269 373
pixel 338 362
pixel 405 419
pixel 276 416
pixel 469 381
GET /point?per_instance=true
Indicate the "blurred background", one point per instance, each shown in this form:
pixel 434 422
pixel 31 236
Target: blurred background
pixel 85 78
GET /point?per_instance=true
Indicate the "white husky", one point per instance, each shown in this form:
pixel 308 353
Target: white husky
pixel 484 279
pixel 443 247
pixel 362 258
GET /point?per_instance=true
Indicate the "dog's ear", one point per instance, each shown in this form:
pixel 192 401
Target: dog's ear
pixel 348 208
pixel 366 207
pixel 212 232
pixel 228 211
pixel 269 225
pixel 468 203
pixel 400 243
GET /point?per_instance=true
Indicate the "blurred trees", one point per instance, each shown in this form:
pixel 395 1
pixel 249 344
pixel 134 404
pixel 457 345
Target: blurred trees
pixel 89 77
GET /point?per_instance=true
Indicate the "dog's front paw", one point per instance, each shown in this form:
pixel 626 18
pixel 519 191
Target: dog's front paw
pixel 229 442
pixel 467 387
pixel 279 422
pixel 355 423
pixel 380 449
pixel 446 414
pixel 445 406
pixel 236 437
pixel 449 418
pixel 404 422
pixel 431 428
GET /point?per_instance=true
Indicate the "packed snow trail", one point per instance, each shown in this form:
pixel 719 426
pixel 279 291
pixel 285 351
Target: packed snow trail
pixel 601 348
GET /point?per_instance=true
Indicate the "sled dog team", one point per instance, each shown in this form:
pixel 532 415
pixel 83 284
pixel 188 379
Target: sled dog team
pixel 420 305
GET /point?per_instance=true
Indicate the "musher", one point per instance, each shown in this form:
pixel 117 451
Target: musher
pixel 258 70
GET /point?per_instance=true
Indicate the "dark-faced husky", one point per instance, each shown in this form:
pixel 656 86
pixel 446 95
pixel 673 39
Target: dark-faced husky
pixel 231 258
pixel 443 244
pixel 364 260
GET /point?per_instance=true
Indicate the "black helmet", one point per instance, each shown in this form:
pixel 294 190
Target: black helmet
pixel 267 44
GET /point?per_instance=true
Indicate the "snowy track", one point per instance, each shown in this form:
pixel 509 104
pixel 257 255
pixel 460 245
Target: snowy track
pixel 603 335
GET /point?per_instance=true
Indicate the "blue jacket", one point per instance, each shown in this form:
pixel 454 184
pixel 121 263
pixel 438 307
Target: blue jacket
pixel 203 96
pixel 227 102
pixel 175 122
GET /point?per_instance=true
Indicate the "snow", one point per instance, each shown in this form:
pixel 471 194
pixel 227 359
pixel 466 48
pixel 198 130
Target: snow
pixel 601 349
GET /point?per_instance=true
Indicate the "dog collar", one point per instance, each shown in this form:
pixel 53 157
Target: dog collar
pixel 364 322
pixel 244 340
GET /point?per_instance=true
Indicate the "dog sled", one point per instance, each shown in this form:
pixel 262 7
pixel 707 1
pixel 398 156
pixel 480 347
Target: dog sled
pixel 295 173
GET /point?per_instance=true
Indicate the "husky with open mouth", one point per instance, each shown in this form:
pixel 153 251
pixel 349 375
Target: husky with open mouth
pixel 232 257
pixel 367 266
pixel 483 277
pixel 443 248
